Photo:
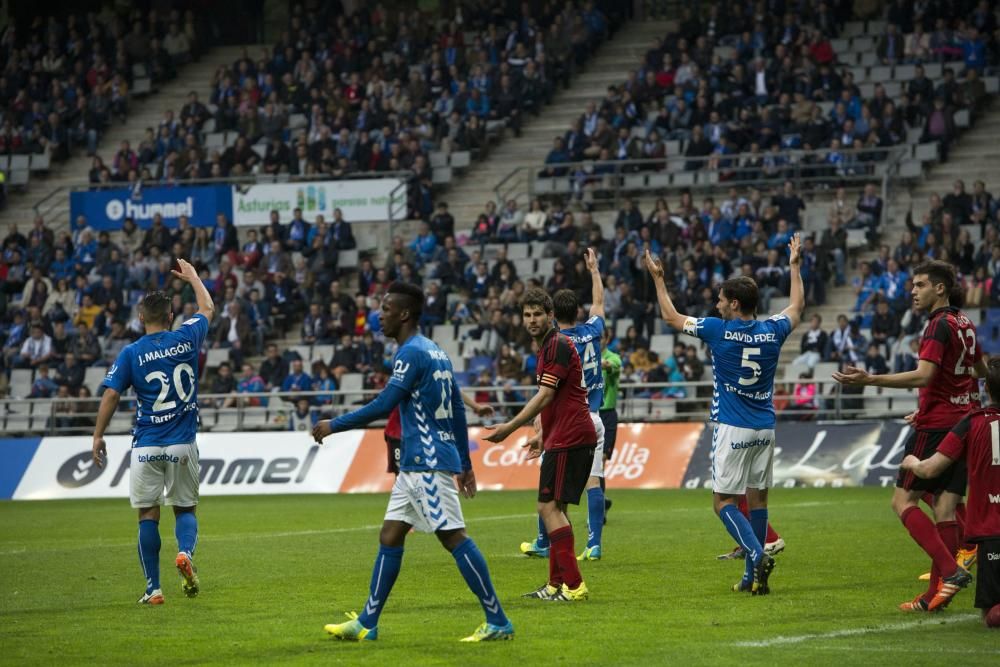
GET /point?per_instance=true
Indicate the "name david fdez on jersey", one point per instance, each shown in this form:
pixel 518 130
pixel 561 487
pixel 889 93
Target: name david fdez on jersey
pixel 742 337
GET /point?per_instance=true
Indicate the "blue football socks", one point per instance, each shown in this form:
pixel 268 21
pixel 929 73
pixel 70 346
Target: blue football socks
pixel 758 520
pixel 543 535
pixel 149 553
pixel 472 565
pixel 186 531
pixel 742 531
pixel 595 516
pixel 384 574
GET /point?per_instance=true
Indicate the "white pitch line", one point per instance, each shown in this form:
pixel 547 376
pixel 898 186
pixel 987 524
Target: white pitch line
pixel 897 649
pixel 853 632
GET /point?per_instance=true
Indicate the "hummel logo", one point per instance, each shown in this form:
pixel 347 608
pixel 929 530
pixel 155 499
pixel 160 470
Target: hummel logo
pixel 428 477
pixel 371 606
pixel 491 604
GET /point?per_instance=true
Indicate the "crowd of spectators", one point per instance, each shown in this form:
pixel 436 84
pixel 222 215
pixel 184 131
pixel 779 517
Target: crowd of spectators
pixel 753 79
pixel 65 78
pixel 373 91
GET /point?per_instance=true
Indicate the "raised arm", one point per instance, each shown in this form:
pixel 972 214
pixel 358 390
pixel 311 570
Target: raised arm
pixel 667 310
pixel 797 294
pixel 596 285
pixel 188 274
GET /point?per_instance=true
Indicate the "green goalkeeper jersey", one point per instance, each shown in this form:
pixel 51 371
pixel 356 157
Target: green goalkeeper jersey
pixel 611 376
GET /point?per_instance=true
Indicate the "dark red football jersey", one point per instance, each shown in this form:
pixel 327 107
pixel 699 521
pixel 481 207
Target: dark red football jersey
pixel 949 342
pixel 976 438
pixel 393 427
pixel 566 421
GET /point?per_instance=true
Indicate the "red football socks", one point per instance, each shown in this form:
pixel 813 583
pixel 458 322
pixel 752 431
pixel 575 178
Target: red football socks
pixel 924 533
pixel 561 541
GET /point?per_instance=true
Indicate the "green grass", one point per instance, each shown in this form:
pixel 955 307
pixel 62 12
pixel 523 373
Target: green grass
pixel 275 570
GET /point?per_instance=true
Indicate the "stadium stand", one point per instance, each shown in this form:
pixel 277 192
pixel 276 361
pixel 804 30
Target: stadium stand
pixel 319 307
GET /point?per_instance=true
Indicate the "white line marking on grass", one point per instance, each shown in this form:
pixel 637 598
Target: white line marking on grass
pixel 853 632
pixel 899 649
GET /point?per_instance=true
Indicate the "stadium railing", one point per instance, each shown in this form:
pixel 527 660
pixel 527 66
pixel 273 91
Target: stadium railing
pixel 640 402
pixel 612 180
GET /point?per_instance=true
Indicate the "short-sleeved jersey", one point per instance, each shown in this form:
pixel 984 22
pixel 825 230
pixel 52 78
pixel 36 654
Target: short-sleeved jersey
pixel 586 338
pixel 163 369
pixel 949 342
pixel 744 360
pixel 976 438
pixel 566 421
pixel 393 429
pixel 426 414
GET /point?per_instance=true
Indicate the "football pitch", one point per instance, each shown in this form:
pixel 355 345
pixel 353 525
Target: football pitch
pixel 274 570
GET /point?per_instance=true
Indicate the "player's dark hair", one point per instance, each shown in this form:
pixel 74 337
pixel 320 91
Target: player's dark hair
pixel 156 308
pixel 957 296
pixel 744 290
pixel 413 295
pixel 565 305
pixel 939 273
pixel 536 296
pixel 993 379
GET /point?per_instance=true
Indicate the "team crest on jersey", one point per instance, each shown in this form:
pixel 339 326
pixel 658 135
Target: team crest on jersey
pixel 400 369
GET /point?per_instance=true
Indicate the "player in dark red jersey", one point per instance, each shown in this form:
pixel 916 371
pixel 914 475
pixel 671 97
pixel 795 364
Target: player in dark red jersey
pixel 568 438
pixel 950 361
pixel 975 443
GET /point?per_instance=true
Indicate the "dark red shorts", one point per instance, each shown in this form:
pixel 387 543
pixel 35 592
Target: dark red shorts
pixel 564 474
pixel 394 447
pixel 923 445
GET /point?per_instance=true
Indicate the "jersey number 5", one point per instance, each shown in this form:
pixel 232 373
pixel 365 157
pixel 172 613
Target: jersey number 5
pixel 444 410
pixel 751 364
pixel 161 404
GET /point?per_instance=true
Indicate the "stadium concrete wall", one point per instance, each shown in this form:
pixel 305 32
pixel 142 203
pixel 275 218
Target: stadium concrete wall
pixel 647 456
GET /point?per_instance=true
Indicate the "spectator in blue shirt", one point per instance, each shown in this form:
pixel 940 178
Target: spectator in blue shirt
pixel 780 238
pixel 297 379
pixel 557 155
pixel 43 386
pixel 867 286
pixel 974 51
pixel 424 244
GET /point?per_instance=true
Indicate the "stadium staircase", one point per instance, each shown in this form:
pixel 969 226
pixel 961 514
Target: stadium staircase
pixel 146 111
pixel 467 196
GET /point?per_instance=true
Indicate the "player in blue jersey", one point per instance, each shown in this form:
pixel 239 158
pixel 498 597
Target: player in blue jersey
pixel 435 447
pixel 745 355
pixel 162 367
pixel 586 337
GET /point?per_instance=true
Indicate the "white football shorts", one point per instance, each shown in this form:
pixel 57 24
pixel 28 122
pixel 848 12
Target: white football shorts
pixel 597 469
pixel 428 501
pixel 171 471
pixel 742 458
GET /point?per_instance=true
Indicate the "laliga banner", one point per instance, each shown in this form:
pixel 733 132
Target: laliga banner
pixel 107 209
pixel 821 454
pixel 358 200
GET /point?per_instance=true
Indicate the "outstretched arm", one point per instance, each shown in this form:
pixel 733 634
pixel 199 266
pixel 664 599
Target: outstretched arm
pixel 537 403
pixel 797 295
pixel 915 379
pixel 928 468
pixel 481 409
pixel 596 285
pixel 381 406
pixel 667 309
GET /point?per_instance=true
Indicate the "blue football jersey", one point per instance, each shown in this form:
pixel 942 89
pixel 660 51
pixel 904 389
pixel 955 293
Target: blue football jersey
pixel 163 369
pixel 427 414
pixel 586 337
pixel 744 361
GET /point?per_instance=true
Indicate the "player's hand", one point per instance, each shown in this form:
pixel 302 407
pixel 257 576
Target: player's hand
pixel 534 446
pixel 853 376
pixel 187 272
pixel 483 410
pixel 499 432
pixel 910 462
pixel 467 483
pixel 100 452
pixel 795 250
pixel 590 259
pixel 910 418
pixel 321 430
pixel 653 265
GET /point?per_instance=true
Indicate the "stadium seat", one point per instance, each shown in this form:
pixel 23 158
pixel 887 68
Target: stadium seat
pixel 962 118
pixel 304 352
pixel 322 352
pixel 441 176
pixel 20 162
pixel 41 161
pixel 93 377
pixel 926 152
pixel 214 357
pixel 662 344
pixel 544 186
pixel 635 181
pixel 524 267
pixel 461 159
pixel 351 386
pixel 438 159
pixel 517 251
pixel 227 420
pixel 662 409
pixel 348 259
pixel 910 169
pixel 658 180
pixel 20 382
pixel 254 418
pixel 544 266
pixel 622 325
pixel 880 73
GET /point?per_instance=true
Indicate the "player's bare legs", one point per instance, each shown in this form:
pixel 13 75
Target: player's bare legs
pixel 149 553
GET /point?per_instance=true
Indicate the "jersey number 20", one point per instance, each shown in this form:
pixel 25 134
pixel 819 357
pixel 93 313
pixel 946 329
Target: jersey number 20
pixel 161 404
